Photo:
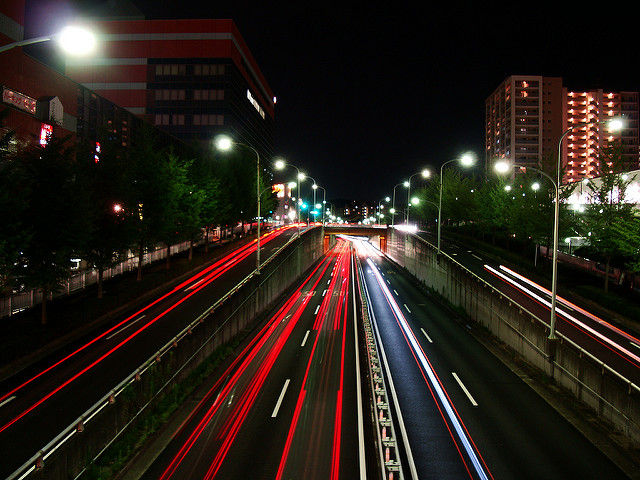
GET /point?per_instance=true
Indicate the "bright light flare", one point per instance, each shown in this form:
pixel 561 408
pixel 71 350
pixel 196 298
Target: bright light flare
pixel 279 164
pixel 468 160
pixel 406 228
pixel 76 40
pixel 223 143
pixel 502 167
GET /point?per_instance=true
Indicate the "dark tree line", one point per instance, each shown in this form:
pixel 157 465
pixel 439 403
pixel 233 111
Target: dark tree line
pixel 511 212
pixel 61 201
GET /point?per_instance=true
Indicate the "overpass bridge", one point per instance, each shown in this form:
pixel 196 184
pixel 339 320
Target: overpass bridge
pixel 377 234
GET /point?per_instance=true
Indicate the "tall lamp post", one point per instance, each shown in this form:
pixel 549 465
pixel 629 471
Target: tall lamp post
pixel 615 125
pixel 393 205
pixel 426 173
pixel 280 165
pixel 73 40
pixel 324 199
pixel 225 144
pixel 467 160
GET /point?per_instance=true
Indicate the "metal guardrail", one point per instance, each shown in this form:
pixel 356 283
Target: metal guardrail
pixel 535 317
pixel 37 460
pixel 388 453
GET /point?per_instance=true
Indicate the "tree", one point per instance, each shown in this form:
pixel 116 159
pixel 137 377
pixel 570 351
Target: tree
pixel 54 220
pixel 609 222
pixel 105 177
pixel 150 210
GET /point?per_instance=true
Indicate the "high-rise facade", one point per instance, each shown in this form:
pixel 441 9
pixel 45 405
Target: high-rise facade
pixel 192 78
pixel 580 151
pixel 526 116
pixel 523 120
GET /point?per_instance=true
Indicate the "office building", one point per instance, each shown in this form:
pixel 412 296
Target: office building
pixel 192 78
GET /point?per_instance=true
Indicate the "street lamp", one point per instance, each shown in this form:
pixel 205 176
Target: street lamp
pixel 467 160
pixel 225 144
pixel 615 125
pixel 393 205
pixel 74 40
pixel 426 173
pixel 280 164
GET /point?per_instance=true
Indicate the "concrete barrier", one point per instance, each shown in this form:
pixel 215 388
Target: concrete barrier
pixel 611 396
pixel 75 448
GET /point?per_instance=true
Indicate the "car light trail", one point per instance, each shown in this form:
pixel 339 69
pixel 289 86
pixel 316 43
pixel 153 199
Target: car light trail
pixel 434 382
pixel 599 337
pixel 230 430
pixel 344 255
pixel 212 273
pixel 573 306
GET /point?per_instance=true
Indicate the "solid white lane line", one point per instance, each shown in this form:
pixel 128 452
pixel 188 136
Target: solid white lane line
pixel 125 327
pixel 464 389
pixel 284 390
pixel 304 340
pixel 7 400
pixel 405 306
pixel 425 334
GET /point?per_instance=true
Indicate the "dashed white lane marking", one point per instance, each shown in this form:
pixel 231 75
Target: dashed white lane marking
pixel 405 306
pixel 277 407
pixel 7 400
pixel 304 340
pixel 464 389
pixel 125 327
pixel 425 334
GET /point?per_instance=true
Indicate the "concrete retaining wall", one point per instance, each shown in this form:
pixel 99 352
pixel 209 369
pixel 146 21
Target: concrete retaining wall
pixel 235 314
pixel 612 397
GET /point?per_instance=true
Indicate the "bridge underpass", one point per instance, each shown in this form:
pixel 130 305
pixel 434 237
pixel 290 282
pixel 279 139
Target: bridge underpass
pixel 377 235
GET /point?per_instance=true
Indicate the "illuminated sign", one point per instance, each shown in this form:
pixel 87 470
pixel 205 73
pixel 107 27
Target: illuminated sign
pixel 45 134
pixel 255 103
pixel 19 100
pixel 278 189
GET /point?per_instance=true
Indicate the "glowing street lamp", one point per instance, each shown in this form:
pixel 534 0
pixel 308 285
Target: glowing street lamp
pixel 73 39
pixel 225 143
pixel 615 124
pixel 280 164
pixel 426 173
pixel 467 160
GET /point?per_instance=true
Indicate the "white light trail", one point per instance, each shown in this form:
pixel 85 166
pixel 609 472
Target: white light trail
pixel 431 375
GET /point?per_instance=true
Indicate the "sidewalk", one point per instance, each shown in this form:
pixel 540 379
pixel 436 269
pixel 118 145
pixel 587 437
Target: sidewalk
pixel 71 318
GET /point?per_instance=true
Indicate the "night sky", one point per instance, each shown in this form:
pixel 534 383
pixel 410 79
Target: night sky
pixel 369 93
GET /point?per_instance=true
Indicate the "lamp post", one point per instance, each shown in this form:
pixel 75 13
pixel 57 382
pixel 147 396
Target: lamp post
pixel 324 200
pixel 393 205
pixel 467 160
pixel 615 124
pixel 280 164
pixel 426 173
pixel 73 40
pixel 225 143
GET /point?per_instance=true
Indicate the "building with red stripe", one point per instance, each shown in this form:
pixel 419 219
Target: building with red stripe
pixel 192 78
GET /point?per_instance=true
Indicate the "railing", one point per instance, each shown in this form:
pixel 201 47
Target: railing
pixel 37 460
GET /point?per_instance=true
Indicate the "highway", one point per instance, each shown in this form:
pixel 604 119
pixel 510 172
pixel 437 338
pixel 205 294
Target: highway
pixel 608 342
pixel 287 407
pixel 466 415
pixel 36 406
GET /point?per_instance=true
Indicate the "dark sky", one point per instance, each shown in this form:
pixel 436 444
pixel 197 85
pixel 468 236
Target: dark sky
pixel 369 93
